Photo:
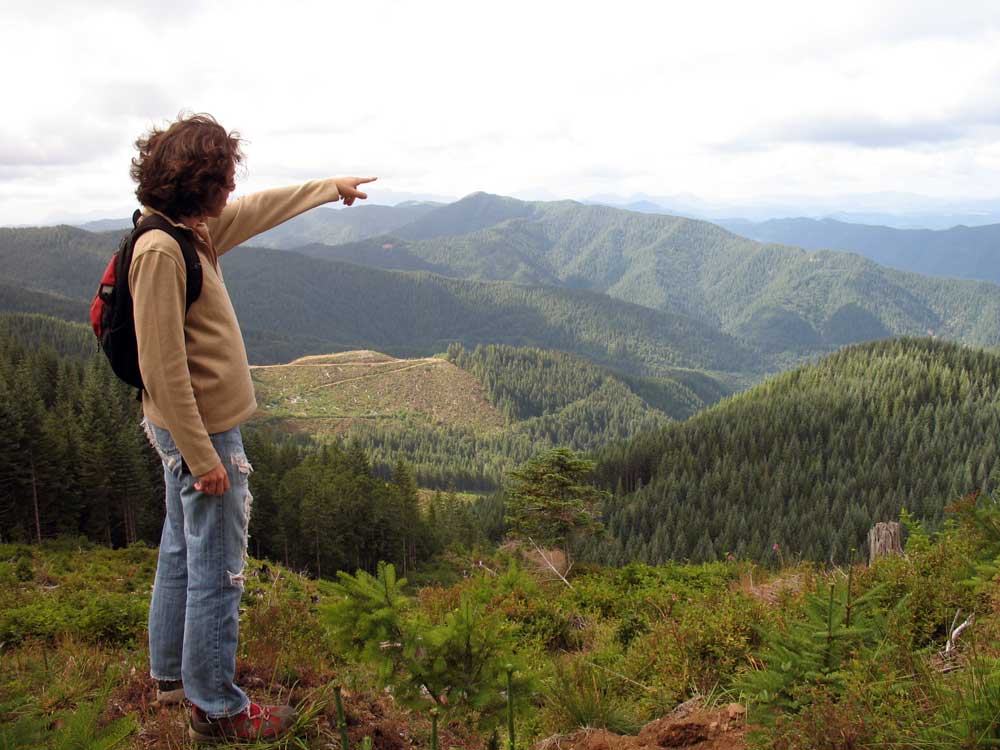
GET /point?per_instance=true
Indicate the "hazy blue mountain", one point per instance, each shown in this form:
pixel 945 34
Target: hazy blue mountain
pixel 106 225
pixel 331 226
pixel 960 252
pixel 892 209
pixel 334 226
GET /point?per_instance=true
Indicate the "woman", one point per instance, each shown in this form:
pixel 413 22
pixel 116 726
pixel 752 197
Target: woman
pixel 197 393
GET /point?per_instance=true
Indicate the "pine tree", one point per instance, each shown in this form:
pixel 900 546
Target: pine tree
pixel 550 502
pixel 407 501
pixel 811 651
pixel 12 519
pixel 458 661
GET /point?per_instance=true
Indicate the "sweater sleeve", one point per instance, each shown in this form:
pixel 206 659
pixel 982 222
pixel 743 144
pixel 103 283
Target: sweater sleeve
pixel 255 213
pixel 158 284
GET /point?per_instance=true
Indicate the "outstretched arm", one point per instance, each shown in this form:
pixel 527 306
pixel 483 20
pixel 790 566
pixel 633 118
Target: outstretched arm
pixel 258 212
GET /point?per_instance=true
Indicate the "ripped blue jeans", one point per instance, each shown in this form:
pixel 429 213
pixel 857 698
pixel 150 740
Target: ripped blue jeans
pixel 194 616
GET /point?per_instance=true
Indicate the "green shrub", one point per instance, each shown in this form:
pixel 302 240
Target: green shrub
pixel 24 572
pixel 696 646
pixel 968 707
pixel 582 695
pixel 945 560
pixel 107 618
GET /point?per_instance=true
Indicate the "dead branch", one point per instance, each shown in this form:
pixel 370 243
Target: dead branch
pixel 549 563
pixel 481 564
pixel 955 632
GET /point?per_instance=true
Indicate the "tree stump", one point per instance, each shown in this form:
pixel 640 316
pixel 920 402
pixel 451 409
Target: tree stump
pixel 884 539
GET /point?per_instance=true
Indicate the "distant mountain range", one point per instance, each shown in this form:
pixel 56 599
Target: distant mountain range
pixel 891 209
pixel 642 293
pixel 328 225
pixel 777 299
pixel 290 305
pixel 960 252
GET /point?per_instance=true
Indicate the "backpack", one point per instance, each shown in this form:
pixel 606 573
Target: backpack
pixel 111 311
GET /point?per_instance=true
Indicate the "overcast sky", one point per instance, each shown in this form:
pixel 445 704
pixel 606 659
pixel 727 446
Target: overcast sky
pixel 732 101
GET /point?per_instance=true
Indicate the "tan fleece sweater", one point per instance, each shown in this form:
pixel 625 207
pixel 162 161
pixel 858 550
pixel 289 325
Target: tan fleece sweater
pixel 194 366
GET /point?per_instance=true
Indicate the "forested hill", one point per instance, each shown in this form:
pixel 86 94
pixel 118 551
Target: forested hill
pixel 810 459
pixel 290 305
pixel 960 252
pixel 353 307
pixel 460 422
pixel 323 224
pixel 636 292
pixel 786 301
pixel 466 420
pixel 525 383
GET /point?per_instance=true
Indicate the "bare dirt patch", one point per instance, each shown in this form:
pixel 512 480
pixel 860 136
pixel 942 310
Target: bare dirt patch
pixel 326 394
pixel 360 355
pixel 775 590
pixel 690 726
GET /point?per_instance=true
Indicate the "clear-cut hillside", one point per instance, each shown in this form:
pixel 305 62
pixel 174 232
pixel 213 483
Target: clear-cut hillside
pixel 329 393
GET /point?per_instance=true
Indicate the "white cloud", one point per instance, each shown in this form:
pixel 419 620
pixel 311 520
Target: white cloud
pixel 728 100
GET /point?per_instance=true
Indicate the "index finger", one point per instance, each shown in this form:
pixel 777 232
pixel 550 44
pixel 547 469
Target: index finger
pixel 362 180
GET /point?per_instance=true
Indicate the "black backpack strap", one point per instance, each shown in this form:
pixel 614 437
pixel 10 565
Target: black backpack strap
pixel 192 261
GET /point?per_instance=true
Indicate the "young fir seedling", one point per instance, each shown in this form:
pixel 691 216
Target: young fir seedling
pixel 456 661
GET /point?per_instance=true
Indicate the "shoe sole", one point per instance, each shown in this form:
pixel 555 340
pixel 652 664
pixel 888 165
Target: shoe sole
pixel 205 739
pixel 214 739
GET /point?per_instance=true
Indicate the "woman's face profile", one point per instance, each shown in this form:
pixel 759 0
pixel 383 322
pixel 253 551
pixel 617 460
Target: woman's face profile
pixel 222 197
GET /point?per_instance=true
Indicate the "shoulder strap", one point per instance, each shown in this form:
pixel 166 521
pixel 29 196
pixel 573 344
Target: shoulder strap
pixel 191 260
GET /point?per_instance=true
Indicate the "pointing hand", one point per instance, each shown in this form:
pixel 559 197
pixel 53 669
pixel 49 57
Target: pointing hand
pixel 348 188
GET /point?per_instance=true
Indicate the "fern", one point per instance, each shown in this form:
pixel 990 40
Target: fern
pixel 81 730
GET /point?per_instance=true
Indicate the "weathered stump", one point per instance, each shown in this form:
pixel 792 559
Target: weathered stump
pixel 884 539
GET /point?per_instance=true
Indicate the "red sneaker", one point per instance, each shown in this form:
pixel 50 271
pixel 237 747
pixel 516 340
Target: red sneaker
pixel 256 722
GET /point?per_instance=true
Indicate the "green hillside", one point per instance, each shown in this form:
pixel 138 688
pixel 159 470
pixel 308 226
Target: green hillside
pixel 449 420
pixel 62 260
pixel 465 421
pixel 409 314
pixel 73 341
pixel 640 293
pixel 291 305
pixel 786 301
pixel 810 459
pixel 526 383
pixel 15 298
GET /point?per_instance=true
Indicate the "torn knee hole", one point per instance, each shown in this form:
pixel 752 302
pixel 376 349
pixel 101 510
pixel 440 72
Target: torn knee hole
pixel 240 461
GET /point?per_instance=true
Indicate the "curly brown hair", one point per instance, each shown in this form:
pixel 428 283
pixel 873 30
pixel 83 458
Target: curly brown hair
pixel 182 169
